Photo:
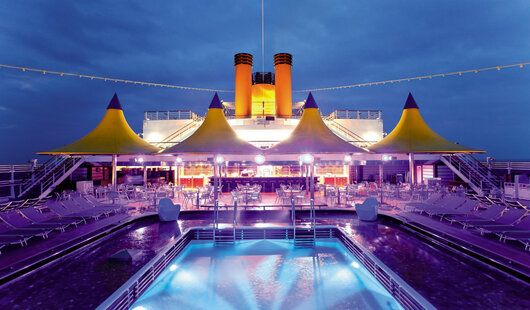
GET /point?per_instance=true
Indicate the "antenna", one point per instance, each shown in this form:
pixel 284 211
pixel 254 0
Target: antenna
pixel 262 36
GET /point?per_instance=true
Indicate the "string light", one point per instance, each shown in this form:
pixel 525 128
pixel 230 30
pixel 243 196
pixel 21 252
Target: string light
pixel 340 87
pixel 110 79
pixel 418 78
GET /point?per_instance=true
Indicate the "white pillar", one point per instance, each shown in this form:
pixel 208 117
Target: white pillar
pixel 516 187
pixel 145 174
pixel 412 170
pixel 114 176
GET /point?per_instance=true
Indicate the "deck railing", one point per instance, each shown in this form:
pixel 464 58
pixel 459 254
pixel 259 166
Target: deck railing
pixel 169 115
pixel 356 114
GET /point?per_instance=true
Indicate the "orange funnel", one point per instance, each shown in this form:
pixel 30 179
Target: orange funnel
pixel 243 84
pixel 282 67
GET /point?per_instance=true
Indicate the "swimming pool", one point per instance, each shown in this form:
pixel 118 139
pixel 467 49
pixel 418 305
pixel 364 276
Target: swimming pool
pixel 266 274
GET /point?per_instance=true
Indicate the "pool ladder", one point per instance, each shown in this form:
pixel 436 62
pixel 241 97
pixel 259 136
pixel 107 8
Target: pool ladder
pixel 303 236
pixel 224 236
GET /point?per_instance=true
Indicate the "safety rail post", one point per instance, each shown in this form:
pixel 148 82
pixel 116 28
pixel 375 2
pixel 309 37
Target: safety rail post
pixel 234 223
pixel 293 215
pixel 12 182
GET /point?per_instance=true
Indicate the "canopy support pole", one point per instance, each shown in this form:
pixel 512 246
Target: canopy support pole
pixel 215 193
pixel 312 195
pixel 412 169
pixel 114 176
pixel 145 174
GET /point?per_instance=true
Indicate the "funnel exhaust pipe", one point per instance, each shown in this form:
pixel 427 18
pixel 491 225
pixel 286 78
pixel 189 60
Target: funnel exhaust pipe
pixel 282 67
pixel 243 85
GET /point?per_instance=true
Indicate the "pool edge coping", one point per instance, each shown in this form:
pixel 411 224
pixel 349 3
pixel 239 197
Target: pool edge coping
pixel 185 238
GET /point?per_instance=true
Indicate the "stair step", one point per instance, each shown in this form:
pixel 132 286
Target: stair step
pixel 304 237
pixel 224 237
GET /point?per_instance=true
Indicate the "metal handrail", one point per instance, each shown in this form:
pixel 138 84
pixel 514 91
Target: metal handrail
pixel 349 133
pixel 182 130
pixel 356 114
pixel 44 169
pixel 477 167
pixel 39 175
pixel 169 115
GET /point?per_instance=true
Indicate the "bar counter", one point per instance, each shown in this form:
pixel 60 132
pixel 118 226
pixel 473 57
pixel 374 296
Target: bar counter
pixel 268 184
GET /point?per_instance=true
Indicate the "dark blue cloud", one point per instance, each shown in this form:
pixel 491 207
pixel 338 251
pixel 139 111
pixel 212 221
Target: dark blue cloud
pixel 333 42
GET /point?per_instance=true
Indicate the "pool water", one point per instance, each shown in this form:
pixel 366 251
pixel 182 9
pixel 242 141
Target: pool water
pixel 265 274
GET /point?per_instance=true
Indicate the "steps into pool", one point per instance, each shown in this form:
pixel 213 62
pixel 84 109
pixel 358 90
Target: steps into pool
pixel 224 237
pixel 304 237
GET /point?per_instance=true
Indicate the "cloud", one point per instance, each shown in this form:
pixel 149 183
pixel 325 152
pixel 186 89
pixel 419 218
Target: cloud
pixel 333 43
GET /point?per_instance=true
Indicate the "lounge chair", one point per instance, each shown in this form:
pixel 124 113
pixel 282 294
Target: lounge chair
pixel 96 203
pixel 447 204
pixel 88 205
pixel 413 206
pixel 6 240
pixel 7 230
pixel 521 226
pixel 17 221
pixel 59 209
pixel 507 218
pixel 49 218
pixel 465 208
pixel 521 236
pixel 75 209
pixel 490 213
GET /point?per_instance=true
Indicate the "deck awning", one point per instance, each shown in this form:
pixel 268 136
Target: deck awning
pixel 313 136
pixel 214 136
pixel 413 135
pixel 112 136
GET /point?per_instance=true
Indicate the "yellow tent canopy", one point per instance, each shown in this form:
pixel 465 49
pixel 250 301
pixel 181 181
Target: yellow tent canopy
pixel 112 136
pixel 413 135
pixel 214 136
pixel 311 135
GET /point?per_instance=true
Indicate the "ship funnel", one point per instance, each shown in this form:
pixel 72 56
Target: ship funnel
pixel 243 84
pixel 282 68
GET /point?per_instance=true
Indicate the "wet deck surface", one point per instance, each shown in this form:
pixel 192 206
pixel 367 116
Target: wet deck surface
pixel 446 279
pixel 87 277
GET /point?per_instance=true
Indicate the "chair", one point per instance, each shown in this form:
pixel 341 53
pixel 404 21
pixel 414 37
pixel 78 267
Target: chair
pixel 447 204
pixel 38 217
pixel 73 209
pixel 520 224
pixel 189 196
pixel 509 217
pixel 167 211
pixel 367 211
pixel 11 227
pixel 413 206
pixel 490 213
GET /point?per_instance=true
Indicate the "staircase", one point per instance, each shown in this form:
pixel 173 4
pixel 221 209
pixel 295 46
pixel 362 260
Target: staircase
pixel 181 133
pixel 44 180
pixel 345 133
pixel 481 179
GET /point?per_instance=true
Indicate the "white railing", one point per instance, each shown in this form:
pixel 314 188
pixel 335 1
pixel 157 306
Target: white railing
pixel 49 175
pixel 169 115
pixel 180 133
pixel 356 114
pixel 12 176
pixel 510 165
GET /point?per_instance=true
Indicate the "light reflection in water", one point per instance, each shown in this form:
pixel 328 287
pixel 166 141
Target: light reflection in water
pixel 266 274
